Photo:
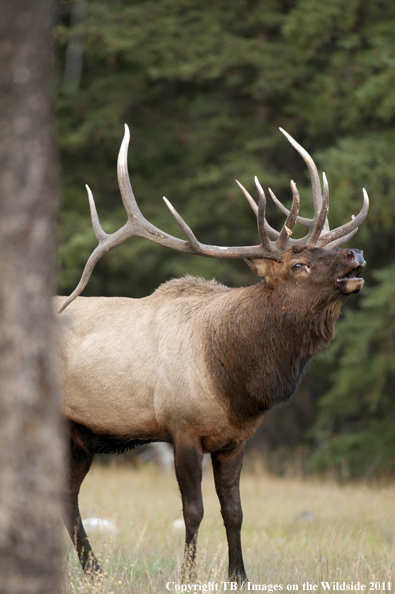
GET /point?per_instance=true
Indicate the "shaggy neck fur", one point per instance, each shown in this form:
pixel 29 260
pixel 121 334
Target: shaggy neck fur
pixel 256 325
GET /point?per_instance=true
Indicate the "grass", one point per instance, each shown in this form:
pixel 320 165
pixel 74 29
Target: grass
pixel 294 532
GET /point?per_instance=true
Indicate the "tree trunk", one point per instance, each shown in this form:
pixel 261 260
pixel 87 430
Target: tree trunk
pixel 31 452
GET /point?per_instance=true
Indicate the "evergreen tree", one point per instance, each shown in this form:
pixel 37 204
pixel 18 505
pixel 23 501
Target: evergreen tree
pixel 204 88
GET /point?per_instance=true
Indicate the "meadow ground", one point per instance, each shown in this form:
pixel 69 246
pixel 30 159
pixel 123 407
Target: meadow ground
pixel 294 532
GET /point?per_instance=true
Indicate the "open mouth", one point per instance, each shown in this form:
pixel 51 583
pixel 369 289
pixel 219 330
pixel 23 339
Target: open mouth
pixel 351 282
pixel 354 273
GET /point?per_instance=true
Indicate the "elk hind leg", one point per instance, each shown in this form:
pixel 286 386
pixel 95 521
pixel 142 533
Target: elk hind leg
pixel 188 465
pixel 79 465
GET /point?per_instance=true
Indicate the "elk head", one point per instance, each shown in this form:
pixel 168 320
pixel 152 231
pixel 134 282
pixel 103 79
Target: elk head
pixel 275 247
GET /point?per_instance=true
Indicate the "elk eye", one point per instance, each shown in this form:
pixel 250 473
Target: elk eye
pixel 300 266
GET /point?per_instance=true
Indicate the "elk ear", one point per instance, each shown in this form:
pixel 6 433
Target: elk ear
pixel 259 266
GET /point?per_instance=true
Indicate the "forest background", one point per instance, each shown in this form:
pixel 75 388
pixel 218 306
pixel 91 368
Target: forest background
pixel 204 87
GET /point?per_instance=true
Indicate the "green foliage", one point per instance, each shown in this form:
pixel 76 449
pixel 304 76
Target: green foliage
pixel 203 88
pixel 357 415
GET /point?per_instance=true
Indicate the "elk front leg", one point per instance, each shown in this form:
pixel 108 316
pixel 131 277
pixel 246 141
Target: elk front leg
pixel 227 468
pixel 80 463
pixel 188 465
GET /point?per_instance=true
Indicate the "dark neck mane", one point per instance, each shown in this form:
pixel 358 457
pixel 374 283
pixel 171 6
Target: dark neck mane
pixel 261 345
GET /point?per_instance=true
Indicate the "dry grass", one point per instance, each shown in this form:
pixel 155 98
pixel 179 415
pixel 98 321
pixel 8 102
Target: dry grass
pixel 348 534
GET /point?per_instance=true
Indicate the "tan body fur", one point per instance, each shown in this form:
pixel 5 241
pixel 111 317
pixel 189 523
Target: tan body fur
pixel 136 368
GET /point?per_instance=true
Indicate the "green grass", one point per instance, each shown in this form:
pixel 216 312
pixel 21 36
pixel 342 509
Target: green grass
pixel 350 538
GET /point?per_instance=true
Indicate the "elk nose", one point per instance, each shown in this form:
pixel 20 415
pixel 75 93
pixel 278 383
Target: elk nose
pixel 355 256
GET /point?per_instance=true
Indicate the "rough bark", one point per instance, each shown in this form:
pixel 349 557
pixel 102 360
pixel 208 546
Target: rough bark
pixel 31 453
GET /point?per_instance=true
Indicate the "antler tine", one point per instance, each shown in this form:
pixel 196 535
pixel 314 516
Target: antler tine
pixel 184 227
pixel 315 178
pixel 322 217
pixel 344 231
pixel 250 199
pixel 125 187
pixel 293 215
pixel 272 233
pixel 91 263
pixel 290 223
pixel 97 228
pixel 301 220
pixel 277 202
pixel 261 216
pixel 341 241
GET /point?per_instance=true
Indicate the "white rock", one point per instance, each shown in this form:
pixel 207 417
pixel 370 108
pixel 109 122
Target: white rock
pixel 179 524
pixel 100 525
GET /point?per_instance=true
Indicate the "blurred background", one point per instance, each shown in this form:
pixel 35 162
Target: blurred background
pixel 204 87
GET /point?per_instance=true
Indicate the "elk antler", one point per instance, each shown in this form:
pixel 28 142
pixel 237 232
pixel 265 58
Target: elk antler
pixel 137 225
pixel 319 234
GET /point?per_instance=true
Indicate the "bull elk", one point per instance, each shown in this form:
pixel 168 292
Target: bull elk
pixel 197 364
